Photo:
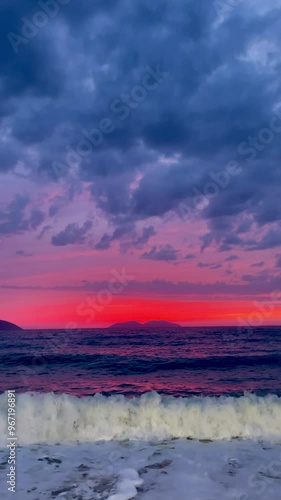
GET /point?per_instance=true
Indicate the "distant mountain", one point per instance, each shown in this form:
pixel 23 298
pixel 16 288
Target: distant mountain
pixel 5 326
pixel 129 325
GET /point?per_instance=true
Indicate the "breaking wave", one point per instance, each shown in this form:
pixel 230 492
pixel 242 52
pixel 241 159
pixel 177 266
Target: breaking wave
pixel 52 418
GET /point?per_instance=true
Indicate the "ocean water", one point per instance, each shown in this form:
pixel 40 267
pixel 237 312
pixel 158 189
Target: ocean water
pixel 187 414
pixel 191 361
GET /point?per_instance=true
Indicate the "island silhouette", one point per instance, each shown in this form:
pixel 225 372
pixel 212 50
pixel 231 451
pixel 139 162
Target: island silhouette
pixel 128 325
pixel 6 326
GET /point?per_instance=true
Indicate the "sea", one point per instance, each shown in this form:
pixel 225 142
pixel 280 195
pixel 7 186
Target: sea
pixel 186 414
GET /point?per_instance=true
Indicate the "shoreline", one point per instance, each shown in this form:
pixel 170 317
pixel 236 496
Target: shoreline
pixel 114 470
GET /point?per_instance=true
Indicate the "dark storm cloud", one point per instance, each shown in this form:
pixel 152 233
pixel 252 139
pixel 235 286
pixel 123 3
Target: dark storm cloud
pixel 73 234
pixel 58 202
pixel 209 265
pixel 147 233
pixel 231 258
pixel 128 236
pixel 190 256
pixel 104 243
pixel 16 218
pixel 271 239
pixel 166 253
pixel 34 70
pixel 84 67
pixel 9 156
pixel 44 230
pixel 258 264
pixel 12 219
pixel 36 218
pixel 23 253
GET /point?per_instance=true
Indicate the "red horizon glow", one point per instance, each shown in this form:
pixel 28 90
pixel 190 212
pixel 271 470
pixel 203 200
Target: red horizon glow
pixel 70 313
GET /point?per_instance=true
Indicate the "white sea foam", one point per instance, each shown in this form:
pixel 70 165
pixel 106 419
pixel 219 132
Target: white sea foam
pixel 51 418
pixel 158 470
pixel 126 488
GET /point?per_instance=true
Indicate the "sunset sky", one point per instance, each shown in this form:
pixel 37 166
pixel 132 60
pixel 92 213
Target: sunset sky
pixel 140 162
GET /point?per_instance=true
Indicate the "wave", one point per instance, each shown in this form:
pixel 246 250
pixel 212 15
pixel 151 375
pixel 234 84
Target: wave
pixel 124 364
pixel 52 418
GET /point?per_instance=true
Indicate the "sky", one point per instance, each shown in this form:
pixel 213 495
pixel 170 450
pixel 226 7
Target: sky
pixel 140 162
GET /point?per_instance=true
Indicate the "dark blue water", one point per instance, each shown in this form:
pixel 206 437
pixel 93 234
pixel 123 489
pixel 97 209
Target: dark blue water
pixel 208 361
